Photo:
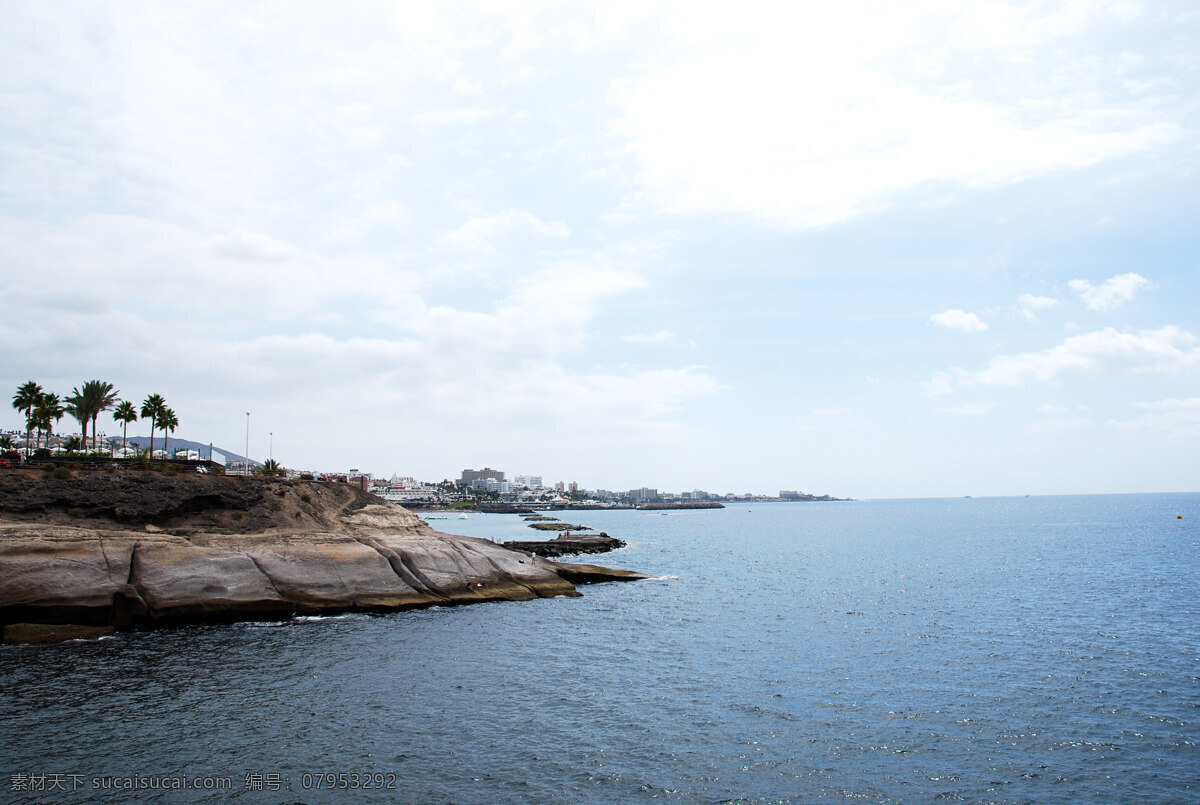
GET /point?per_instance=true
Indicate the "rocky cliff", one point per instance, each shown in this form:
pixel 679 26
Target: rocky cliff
pixel 128 548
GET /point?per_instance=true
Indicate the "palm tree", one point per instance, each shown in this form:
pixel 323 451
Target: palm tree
pixel 25 399
pixel 33 422
pixel 125 413
pixel 106 398
pixel 97 396
pixel 6 443
pixel 100 396
pixel 152 407
pixel 48 410
pixel 168 422
pixel 77 407
pixel 271 467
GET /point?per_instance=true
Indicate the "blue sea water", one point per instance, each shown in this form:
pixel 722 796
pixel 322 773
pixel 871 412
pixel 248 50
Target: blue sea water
pixel 1041 649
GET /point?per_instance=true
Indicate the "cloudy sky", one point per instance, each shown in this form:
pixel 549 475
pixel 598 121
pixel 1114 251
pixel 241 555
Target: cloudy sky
pixel 878 250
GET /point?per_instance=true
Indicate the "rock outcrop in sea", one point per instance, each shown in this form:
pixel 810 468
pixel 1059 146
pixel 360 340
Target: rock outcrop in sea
pixel 568 544
pixel 127 548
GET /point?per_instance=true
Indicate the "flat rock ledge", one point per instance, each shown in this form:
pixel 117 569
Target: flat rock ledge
pixel 65 575
pixel 568 544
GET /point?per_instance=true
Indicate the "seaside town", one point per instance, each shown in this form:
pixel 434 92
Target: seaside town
pixel 488 487
pixel 485 487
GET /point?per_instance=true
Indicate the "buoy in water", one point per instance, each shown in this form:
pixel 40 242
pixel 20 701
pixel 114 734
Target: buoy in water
pixel 1179 517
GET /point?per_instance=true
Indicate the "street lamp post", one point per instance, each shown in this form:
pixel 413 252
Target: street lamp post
pixel 271 454
pixel 246 471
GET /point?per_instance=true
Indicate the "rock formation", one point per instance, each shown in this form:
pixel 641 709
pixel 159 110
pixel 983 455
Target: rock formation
pixel 128 548
pixel 568 544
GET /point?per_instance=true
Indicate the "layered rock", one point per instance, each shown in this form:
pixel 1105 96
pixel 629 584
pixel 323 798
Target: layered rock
pixel 325 548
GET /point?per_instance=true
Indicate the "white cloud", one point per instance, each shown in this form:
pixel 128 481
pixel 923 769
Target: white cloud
pixel 1051 427
pixel 1047 408
pixel 480 234
pixel 971 409
pixel 960 320
pixel 659 337
pixel 454 374
pixel 545 315
pixel 1174 416
pixel 837 410
pixel 473 114
pixel 159 268
pixel 1107 352
pixel 244 245
pixel 1031 302
pixel 819 116
pixel 942 383
pixel 1114 292
pixel 648 394
pixel 1173 404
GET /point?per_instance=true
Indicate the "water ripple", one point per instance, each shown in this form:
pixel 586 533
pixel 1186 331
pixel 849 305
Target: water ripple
pixel 981 651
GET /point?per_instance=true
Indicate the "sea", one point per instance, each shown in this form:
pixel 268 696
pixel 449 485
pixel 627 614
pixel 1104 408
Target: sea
pixel 1008 650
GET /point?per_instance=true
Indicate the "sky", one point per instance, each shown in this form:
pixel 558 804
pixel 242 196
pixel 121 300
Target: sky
pixel 863 249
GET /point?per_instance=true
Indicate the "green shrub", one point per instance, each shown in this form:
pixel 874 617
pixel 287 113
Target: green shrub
pixel 61 473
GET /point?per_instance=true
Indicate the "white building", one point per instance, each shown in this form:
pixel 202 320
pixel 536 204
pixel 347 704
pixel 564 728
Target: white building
pixel 492 485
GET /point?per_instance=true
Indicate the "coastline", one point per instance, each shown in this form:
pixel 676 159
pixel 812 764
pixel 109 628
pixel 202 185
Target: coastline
pixel 118 550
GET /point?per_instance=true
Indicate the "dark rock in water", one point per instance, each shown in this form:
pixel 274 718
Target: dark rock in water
pixel 709 504
pixel 500 507
pixel 568 544
pixel 557 526
pixel 52 633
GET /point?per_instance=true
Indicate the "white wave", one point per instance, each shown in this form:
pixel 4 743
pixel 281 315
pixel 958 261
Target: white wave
pixel 318 618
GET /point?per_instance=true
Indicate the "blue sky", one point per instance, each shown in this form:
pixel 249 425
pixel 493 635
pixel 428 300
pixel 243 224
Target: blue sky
pixel 882 250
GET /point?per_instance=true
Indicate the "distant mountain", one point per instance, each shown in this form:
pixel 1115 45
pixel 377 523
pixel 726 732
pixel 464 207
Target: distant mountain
pixel 142 442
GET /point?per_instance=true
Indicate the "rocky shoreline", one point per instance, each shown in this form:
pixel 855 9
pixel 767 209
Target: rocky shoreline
pixel 124 549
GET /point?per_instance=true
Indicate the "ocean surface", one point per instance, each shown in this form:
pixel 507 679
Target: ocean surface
pixel 1042 649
